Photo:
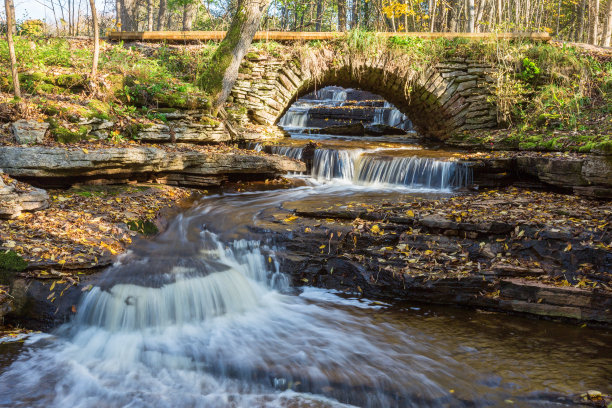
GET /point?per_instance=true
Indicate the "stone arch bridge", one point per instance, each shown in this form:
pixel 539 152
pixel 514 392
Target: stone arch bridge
pixel 440 98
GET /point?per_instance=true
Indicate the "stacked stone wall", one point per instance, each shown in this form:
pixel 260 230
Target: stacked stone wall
pixel 442 99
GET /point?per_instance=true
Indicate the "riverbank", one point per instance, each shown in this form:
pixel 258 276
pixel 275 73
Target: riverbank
pixel 55 251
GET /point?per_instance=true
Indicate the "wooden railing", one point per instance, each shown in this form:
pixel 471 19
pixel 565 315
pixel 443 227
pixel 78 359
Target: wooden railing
pixel 173 36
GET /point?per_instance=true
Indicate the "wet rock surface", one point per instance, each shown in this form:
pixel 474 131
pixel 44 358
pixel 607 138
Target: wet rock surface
pixel 513 250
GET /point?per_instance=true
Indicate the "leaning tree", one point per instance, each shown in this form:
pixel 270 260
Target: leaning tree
pixel 222 71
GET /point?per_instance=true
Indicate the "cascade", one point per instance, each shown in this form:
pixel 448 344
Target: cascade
pixel 362 167
pixel 296 116
pixel 289 151
pixel 389 115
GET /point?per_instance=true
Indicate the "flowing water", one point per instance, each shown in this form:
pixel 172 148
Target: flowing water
pixel 203 316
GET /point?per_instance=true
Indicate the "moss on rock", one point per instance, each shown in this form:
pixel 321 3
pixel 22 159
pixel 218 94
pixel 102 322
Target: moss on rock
pixel 12 261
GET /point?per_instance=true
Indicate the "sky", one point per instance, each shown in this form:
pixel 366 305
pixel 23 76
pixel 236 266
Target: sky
pixel 32 9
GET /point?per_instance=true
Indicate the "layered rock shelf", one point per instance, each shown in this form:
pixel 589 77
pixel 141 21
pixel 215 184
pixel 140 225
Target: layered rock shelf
pixel 60 167
pixel 588 175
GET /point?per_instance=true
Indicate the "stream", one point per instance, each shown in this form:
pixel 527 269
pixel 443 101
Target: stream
pixel 202 315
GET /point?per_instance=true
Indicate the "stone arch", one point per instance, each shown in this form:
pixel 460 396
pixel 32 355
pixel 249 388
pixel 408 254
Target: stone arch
pixel 440 100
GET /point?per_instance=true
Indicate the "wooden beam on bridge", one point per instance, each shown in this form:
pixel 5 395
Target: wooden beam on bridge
pixel 188 36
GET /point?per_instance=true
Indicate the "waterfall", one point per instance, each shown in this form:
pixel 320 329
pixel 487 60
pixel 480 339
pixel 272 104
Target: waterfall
pixel 361 167
pixel 296 116
pixel 232 279
pixel 389 115
pixel 331 164
pixel 414 172
pixel 289 151
pixel 331 94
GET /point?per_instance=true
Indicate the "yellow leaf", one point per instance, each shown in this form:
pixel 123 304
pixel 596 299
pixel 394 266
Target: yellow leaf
pixel 85 150
pixel 375 229
pixel 410 213
pixel 52 286
pixel 61 262
pixel 428 252
pixel 322 246
pixel 568 248
pixel 50 295
pixel 291 218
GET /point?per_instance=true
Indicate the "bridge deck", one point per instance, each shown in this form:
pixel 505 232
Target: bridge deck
pixel 306 36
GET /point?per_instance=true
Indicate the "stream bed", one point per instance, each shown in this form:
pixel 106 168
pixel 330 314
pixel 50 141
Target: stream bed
pixel 203 315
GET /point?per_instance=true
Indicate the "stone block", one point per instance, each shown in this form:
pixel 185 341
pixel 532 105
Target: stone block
pixel 466 78
pixel 29 131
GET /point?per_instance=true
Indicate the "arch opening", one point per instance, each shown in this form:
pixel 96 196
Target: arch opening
pixel 344 111
pixel 434 111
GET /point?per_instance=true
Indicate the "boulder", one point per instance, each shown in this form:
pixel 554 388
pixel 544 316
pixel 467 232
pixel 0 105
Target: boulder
pixel 14 199
pixel 383 130
pixel 29 131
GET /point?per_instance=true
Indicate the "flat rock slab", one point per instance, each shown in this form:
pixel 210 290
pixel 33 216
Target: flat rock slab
pixel 186 132
pixel 60 166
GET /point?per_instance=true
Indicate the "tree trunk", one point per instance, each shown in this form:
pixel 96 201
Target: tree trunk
pixel 593 21
pixel 482 4
pixel 455 23
pixel 499 9
pixel 161 15
pixel 432 15
pixel 10 28
pixel 96 30
pixel 319 15
pixel 470 16
pixel 11 9
pixel 222 72
pixel 78 23
pixel 558 18
pixel 581 20
pixel 189 13
pixel 128 15
pixel 341 15
pixel 149 15
pixel 607 35
pixel 118 14
pixel 355 14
